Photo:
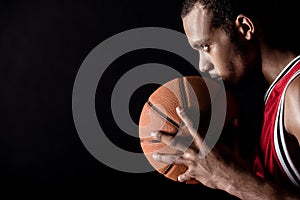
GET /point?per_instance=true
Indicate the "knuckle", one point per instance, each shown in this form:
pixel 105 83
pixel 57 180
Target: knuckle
pixel 158 135
pixel 190 164
pixel 173 159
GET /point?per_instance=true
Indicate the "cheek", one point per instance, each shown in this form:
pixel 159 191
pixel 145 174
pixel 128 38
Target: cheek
pixel 222 56
pixel 223 63
pixel 229 68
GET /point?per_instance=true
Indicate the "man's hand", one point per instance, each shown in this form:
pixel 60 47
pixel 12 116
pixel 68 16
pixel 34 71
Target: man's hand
pixel 211 167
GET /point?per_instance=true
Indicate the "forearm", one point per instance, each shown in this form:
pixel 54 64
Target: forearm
pixel 245 185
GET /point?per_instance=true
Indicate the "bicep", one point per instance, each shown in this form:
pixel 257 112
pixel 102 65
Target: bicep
pixel 292 109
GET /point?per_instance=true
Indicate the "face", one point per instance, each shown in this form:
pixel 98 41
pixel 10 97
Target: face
pixel 218 55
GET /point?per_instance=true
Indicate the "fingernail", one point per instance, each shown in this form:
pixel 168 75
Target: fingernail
pixel 178 109
pixel 153 134
pixel 179 178
pixel 155 157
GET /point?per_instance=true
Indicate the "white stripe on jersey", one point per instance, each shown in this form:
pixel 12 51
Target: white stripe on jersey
pixel 279 141
pixel 281 74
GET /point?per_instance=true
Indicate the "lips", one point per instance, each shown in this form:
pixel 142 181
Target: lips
pixel 215 76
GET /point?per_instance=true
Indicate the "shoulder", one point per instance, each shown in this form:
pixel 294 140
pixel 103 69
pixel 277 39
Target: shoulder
pixel 292 108
pixel 293 92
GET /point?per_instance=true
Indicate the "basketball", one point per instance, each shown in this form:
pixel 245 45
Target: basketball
pixel 196 95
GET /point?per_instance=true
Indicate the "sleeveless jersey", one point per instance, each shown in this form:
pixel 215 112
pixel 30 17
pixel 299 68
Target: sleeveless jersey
pixel 273 159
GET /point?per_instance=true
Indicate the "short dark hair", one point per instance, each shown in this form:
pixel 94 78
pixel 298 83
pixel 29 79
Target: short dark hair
pixel 275 16
pixel 224 12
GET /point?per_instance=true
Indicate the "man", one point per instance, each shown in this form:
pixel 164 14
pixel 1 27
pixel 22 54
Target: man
pixel 234 38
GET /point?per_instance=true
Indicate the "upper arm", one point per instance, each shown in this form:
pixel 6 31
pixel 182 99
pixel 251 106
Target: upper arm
pixel 292 109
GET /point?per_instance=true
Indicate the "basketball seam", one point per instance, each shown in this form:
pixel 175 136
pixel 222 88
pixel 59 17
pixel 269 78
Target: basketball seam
pixel 165 172
pixel 163 115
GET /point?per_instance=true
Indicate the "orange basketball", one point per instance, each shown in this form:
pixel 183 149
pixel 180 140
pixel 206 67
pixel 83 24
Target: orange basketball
pixel 196 95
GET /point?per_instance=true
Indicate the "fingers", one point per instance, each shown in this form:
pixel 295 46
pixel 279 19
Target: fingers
pixel 169 159
pixel 192 181
pixel 186 177
pixel 190 125
pixel 181 143
pixel 190 144
pixel 177 160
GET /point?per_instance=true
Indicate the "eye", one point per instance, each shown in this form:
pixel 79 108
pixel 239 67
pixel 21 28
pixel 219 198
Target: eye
pixel 204 47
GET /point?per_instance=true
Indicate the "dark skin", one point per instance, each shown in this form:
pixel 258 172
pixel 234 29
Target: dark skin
pixel 292 108
pixel 216 169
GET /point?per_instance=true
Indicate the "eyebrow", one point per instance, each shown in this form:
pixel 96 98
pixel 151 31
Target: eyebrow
pixel 197 44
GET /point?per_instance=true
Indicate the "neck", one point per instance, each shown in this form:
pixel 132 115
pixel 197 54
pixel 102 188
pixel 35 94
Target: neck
pixel 274 61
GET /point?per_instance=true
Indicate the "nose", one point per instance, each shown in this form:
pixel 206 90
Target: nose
pixel 205 65
pixel 205 68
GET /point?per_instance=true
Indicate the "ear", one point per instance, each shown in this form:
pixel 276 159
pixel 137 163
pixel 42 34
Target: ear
pixel 245 26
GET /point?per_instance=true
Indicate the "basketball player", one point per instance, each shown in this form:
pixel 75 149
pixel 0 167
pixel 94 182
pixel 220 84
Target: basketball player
pixel 233 38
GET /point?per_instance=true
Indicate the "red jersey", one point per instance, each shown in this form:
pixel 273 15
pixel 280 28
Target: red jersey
pixel 273 160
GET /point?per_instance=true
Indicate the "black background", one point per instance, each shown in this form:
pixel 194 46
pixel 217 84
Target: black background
pixel 43 44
